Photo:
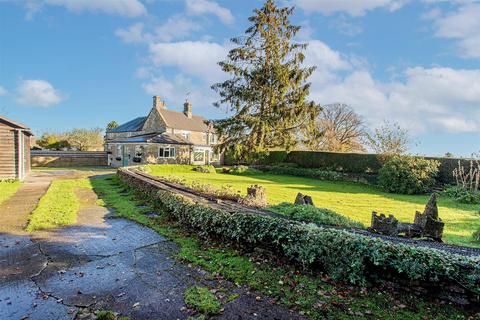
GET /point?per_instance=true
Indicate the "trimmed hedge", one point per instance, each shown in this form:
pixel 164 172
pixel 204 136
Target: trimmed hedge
pixel 348 162
pixel 341 162
pixel 311 214
pixel 340 254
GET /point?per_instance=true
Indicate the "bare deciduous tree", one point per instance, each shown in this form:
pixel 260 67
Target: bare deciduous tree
pixel 85 139
pixel 341 130
pixel 389 138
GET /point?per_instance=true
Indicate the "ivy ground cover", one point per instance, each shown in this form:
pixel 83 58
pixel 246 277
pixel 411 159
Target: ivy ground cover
pixel 353 200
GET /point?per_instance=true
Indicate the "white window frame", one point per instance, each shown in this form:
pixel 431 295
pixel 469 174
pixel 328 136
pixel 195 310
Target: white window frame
pixel 213 138
pixel 172 152
pixel 186 135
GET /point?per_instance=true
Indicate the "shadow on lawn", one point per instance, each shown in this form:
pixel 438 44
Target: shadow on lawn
pixel 313 185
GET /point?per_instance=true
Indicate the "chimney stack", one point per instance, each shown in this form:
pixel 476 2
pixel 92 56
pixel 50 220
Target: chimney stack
pixel 158 103
pixel 187 109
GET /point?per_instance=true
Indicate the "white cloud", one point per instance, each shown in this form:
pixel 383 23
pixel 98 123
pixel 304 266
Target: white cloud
pixel 197 58
pixel 201 7
pixel 175 27
pixel 353 8
pixel 181 87
pixel 38 93
pixel 427 99
pixel 132 34
pixel 323 57
pixel 3 91
pixel 125 8
pixel 462 25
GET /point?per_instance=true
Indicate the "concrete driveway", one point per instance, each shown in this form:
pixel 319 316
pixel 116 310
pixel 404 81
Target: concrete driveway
pixel 101 263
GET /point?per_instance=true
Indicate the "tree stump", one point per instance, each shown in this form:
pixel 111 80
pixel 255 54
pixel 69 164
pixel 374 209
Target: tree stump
pixel 256 196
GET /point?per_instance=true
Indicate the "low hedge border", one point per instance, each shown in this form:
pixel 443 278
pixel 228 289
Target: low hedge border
pixel 342 255
pixel 319 174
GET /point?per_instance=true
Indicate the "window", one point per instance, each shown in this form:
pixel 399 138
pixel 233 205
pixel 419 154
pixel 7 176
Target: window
pixel 166 152
pixel 213 138
pixel 198 155
pixel 138 151
pixel 186 135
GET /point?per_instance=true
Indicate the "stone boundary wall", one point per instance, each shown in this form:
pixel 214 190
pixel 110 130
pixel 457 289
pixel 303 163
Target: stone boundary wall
pixel 68 158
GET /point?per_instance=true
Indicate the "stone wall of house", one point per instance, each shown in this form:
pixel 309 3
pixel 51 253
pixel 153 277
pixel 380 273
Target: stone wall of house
pixel 154 123
pixel 149 154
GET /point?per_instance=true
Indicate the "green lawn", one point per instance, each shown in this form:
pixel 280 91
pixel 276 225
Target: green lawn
pixel 59 206
pixel 7 189
pixel 354 200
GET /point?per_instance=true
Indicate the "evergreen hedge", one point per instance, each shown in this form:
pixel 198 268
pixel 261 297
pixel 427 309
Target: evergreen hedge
pixel 347 162
pixel 342 255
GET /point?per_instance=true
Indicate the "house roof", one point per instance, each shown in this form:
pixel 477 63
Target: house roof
pixel 15 124
pixel 133 125
pixel 162 138
pixel 178 120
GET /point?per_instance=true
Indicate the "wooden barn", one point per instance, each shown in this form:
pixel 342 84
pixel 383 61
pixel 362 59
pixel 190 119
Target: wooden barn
pixel 14 149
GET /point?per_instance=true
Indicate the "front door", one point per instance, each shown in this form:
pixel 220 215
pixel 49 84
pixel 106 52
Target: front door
pixel 124 156
pixel 207 156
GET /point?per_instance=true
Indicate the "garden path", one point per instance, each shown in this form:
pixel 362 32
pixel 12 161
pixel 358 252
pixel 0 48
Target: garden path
pixel 105 263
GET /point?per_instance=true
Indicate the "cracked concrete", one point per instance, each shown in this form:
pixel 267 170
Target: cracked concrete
pixel 106 263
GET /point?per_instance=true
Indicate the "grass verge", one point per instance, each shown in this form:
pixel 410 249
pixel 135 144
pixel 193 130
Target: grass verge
pixel 311 294
pixel 8 189
pixel 59 206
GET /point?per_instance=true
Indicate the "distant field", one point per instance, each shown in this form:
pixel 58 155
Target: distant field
pixel 7 189
pixel 354 200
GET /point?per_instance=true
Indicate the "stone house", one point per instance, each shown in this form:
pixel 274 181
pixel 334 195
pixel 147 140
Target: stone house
pixel 163 136
pixel 14 149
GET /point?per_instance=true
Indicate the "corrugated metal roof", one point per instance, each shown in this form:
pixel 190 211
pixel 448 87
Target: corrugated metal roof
pixel 163 138
pixel 178 120
pixel 130 126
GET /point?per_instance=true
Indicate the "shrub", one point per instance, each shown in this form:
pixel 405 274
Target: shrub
pixel 408 175
pixel 311 214
pixel 303 172
pixel 106 315
pixel 205 169
pixel 244 170
pixel 341 254
pixel 274 157
pixel 462 195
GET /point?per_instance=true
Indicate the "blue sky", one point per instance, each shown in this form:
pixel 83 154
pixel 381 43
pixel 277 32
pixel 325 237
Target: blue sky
pixel 72 63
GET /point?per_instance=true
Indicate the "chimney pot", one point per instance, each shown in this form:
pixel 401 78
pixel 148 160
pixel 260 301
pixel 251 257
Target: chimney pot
pixel 187 109
pixel 158 103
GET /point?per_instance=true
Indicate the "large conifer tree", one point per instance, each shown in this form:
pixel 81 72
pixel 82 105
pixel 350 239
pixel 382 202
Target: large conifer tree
pixel 268 86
